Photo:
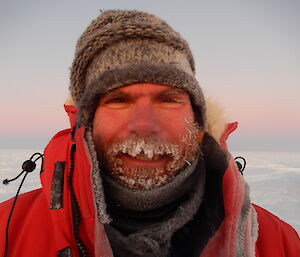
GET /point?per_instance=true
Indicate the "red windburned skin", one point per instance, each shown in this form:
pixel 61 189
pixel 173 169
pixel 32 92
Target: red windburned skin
pixel 146 133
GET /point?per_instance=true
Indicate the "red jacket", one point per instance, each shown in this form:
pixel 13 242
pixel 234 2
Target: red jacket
pixel 39 229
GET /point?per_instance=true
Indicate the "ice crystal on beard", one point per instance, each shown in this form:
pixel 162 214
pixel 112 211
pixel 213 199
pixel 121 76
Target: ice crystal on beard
pixel 144 182
pixel 149 147
pixel 145 178
pixel 191 133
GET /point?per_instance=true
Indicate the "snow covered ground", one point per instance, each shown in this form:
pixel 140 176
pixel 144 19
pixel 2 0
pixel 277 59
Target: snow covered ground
pixel 274 179
pixel 10 166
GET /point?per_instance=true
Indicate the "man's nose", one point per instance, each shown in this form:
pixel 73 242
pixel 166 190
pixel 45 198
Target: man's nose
pixel 144 118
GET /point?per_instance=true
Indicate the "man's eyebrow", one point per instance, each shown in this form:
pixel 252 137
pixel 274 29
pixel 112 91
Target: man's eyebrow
pixel 120 93
pixel 115 93
pixel 173 91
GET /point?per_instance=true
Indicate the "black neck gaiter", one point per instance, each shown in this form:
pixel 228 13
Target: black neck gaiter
pixel 143 222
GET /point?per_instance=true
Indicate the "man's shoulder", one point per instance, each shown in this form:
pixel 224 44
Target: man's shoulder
pixel 30 211
pixel 28 196
pixel 25 203
pixel 271 221
pixel 29 230
pixel 275 237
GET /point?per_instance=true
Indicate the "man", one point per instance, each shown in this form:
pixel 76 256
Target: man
pixel 144 169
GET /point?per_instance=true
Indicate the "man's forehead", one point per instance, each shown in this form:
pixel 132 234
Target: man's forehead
pixel 146 88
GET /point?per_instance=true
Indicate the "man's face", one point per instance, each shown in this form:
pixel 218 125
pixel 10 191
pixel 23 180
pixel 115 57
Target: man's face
pixel 145 133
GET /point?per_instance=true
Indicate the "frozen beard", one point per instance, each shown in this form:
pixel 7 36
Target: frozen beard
pixel 174 156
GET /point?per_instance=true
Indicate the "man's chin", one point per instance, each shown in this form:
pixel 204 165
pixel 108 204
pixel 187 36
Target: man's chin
pixel 142 172
pixel 142 177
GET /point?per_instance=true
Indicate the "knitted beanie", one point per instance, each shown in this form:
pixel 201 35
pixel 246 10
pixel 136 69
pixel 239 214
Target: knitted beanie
pixel 123 47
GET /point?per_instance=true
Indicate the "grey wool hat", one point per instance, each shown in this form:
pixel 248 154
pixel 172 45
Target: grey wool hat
pixel 123 47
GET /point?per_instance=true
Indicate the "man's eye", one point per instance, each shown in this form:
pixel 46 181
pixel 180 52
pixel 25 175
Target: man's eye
pixel 172 100
pixel 116 100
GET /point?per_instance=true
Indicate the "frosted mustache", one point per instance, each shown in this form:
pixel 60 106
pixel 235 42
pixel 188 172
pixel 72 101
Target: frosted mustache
pixel 149 147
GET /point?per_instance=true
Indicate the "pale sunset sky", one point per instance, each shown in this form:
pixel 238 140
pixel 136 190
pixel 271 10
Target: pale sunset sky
pixel 246 52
